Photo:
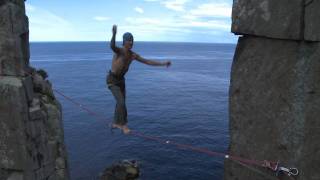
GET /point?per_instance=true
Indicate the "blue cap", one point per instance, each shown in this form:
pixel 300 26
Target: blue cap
pixel 127 37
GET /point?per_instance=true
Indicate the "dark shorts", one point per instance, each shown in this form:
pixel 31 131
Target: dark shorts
pixel 113 79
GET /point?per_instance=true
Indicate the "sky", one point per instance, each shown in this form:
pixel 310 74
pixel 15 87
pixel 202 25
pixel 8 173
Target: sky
pixel 148 20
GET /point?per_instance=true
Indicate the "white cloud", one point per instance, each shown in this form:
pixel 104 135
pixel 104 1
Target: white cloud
pixel 189 17
pixel 141 21
pixel 139 10
pixel 41 17
pixel 209 24
pixel 212 10
pixel 176 29
pixel 176 5
pixel 186 21
pixel 101 18
pixel 29 7
pixel 45 25
pixel 177 24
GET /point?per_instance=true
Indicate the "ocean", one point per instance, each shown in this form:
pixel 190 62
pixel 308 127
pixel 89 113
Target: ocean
pixel 186 103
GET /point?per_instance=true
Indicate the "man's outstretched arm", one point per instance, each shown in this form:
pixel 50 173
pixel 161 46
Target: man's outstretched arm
pixel 113 40
pixel 151 62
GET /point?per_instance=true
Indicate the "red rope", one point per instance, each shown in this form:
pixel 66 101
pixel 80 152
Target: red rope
pixel 200 150
pixel 178 145
pixel 81 106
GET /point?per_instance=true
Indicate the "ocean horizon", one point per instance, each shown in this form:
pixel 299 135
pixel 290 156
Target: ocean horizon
pixel 135 41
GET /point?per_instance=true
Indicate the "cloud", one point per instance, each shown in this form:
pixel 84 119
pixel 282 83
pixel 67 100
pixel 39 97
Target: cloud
pixel 214 24
pixel 173 29
pixel 101 18
pixel 29 7
pixel 41 17
pixel 45 25
pixel 187 22
pixel 177 24
pixel 139 10
pixel 212 10
pixel 145 21
pixel 176 5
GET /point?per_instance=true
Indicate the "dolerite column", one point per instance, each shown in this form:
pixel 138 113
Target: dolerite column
pixel 274 95
pixel 31 131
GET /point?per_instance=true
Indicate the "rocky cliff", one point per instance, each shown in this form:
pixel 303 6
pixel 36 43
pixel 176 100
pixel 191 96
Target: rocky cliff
pixel 31 131
pixel 275 87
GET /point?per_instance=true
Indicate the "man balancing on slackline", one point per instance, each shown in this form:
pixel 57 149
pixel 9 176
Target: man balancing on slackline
pixel 121 61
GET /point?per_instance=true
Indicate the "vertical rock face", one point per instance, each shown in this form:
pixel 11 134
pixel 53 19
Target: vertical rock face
pixel 31 131
pixel 274 96
pixel 13 33
pixel 312 25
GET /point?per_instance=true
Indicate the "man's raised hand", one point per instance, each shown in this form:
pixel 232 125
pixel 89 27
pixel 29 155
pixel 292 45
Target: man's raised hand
pixel 114 29
pixel 168 63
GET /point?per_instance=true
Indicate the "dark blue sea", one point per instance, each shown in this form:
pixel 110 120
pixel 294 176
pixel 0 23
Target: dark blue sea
pixel 186 103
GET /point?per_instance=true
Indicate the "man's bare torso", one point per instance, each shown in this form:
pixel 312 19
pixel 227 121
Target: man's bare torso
pixel 121 61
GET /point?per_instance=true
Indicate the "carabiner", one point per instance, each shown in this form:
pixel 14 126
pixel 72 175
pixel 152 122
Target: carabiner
pixel 293 172
pixel 290 171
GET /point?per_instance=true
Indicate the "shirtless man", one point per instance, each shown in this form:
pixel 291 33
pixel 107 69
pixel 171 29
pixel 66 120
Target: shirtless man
pixel 121 61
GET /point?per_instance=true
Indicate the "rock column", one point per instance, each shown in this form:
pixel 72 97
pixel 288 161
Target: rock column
pixel 274 95
pixel 31 131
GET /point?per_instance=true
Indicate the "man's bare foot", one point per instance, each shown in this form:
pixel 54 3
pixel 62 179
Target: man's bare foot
pixel 113 125
pixel 125 129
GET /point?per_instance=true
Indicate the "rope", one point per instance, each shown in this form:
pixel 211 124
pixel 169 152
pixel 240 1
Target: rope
pixel 81 106
pixel 256 170
pixel 240 160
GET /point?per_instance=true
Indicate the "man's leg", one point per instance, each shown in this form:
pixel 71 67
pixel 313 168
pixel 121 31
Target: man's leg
pixel 125 127
pixel 120 116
